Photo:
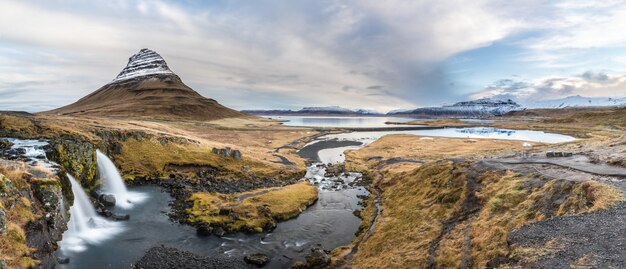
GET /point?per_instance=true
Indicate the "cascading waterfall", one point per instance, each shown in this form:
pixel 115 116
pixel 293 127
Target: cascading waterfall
pixel 83 214
pixel 112 182
pixel 85 226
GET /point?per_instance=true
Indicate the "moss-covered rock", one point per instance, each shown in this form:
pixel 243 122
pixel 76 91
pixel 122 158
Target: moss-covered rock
pixel 77 156
pixel 50 194
pixel 5 185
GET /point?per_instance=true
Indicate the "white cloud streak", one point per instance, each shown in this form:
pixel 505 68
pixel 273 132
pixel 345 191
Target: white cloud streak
pixel 588 84
pixel 275 53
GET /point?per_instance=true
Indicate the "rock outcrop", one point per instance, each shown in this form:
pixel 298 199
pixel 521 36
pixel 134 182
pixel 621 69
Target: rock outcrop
pixel 257 259
pixel 77 157
pixel 5 143
pixel 228 152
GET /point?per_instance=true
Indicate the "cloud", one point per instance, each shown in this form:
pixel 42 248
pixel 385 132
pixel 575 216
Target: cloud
pixel 590 84
pixel 307 50
pixel 284 53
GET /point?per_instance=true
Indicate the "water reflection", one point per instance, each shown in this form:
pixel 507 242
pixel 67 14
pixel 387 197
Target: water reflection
pixel 346 122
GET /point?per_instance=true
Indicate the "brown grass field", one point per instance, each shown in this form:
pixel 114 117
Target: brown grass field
pixel 417 199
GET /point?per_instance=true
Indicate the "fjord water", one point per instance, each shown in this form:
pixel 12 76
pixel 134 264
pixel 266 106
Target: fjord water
pixel 336 121
pixel 112 182
pixel 85 227
pixel 470 132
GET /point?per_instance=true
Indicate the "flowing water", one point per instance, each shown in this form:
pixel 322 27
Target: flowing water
pixel 112 183
pixel 85 227
pixel 328 223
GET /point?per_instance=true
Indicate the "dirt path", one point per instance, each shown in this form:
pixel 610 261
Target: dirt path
pixel 577 162
pixel 470 206
pixel 592 240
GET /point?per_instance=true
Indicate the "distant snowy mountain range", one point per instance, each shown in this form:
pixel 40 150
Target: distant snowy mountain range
pixel 485 107
pixel 480 108
pixel 577 101
pixel 324 110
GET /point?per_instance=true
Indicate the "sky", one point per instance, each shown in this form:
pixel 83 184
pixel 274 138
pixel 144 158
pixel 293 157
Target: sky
pixel 372 54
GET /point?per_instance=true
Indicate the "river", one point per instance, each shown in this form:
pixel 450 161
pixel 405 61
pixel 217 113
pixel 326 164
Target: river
pixel 329 223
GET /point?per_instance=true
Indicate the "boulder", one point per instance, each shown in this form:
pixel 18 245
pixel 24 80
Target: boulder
pixel 237 155
pixel 120 217
pixel 63 260
pixel 103 211
pixel 257 259
pixel 107 199
pixel 228 152
pixel 219 231
pixel 3 222
pixel 5 144
pixel 318 258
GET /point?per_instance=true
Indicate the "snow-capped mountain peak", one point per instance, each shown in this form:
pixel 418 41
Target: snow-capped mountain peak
pixel 475 108
pixel 487 106
pixel 145 63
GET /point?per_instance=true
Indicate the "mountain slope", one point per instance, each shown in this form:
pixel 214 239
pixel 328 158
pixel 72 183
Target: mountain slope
pixel 147 88
pixel 485 107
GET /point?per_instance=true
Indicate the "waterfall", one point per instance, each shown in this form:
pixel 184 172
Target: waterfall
pixel 82 212
pixel 112 182
pixel 85 226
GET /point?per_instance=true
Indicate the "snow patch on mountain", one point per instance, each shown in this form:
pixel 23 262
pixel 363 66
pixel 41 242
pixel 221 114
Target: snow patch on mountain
pixel 324 109
pixel 476 108
pixel 145 63
pixel 486 106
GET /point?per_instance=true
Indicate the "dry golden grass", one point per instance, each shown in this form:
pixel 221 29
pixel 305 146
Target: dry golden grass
pixel 416 203
pixel 17 124
pixel 510 203
pixel 256 138
pixel 19 212
pixel 251 211
pixel 149 157
pixel 410 219
pixel 429 148
pixel 419 198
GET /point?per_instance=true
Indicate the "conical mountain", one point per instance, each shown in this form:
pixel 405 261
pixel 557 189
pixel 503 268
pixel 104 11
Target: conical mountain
pixel 147 88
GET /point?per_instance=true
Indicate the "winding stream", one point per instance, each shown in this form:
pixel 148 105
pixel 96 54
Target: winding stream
pixel 329 223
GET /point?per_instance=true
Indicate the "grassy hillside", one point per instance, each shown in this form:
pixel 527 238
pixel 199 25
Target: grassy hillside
pixel 451 214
